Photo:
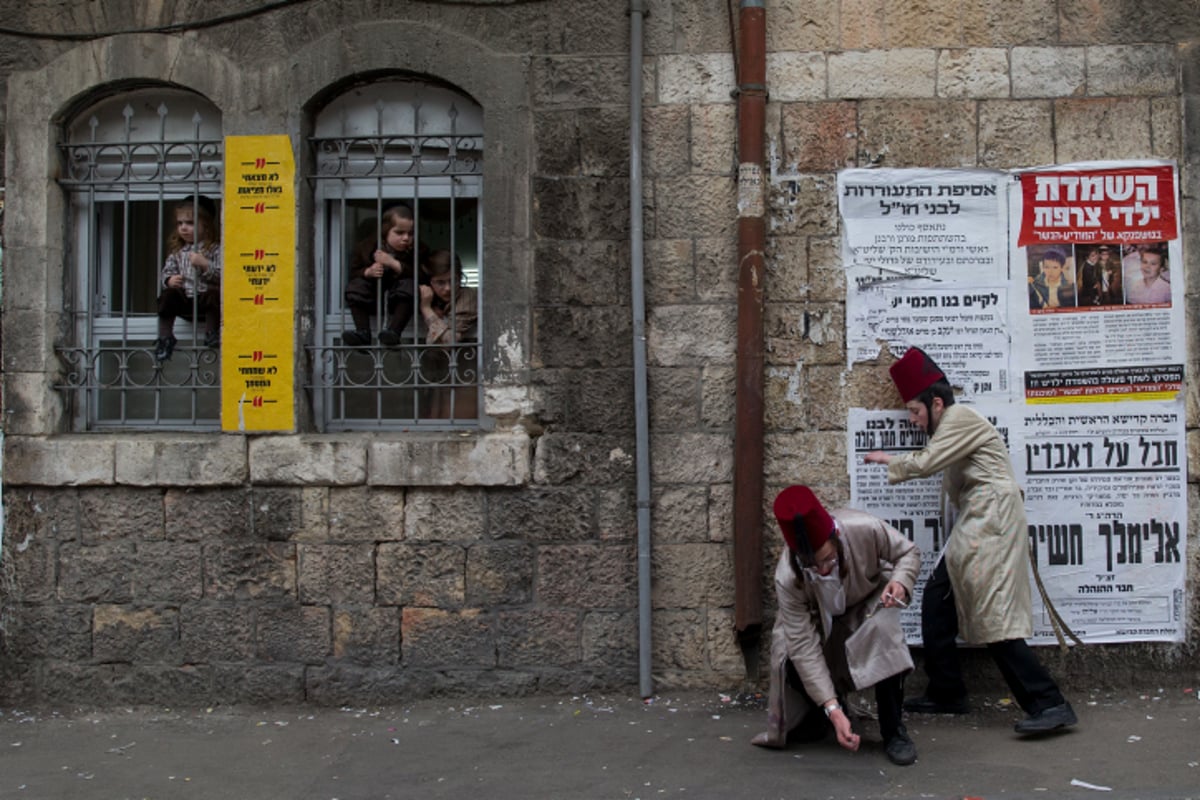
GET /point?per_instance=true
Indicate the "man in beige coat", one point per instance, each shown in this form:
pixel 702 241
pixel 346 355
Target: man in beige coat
pixel 980 587
pixel 839 583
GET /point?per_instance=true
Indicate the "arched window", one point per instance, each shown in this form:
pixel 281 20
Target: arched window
pixel 133 165
pixel 397 174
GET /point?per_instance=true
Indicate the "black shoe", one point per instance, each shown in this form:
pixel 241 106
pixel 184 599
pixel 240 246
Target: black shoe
pixel 900 749
pixel 164 347
pixel 924 704
pixel 356 338
pixel 212 340
pixel 1048 719
pixel 389 337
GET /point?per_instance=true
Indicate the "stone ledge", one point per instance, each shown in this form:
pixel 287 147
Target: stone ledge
pixel 196 460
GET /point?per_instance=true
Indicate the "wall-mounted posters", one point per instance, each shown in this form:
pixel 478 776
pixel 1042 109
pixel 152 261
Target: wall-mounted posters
pixel 1093 413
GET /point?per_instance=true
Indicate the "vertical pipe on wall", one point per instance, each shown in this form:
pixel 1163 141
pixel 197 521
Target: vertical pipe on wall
pixel 637 13
pixel 748 429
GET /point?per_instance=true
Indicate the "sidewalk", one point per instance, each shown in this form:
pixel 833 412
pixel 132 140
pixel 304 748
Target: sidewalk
pixel 678 745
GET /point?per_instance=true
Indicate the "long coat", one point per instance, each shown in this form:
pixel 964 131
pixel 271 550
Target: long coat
pixel 987 554
pixel 871 553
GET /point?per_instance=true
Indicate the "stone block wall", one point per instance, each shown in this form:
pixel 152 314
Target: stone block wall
pixel 370 568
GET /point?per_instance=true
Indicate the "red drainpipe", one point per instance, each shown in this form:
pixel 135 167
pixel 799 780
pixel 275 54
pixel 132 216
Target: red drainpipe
pixel 751 65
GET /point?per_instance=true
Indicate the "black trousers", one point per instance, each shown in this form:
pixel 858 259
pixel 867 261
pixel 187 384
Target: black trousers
pixel 889 700
pixel 1030 683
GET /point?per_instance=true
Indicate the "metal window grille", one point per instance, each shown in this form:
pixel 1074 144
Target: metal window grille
pixel 376 147
pixel 128 162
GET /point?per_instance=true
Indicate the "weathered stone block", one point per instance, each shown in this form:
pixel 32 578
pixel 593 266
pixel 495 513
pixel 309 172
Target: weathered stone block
pixel 444 515
pixel 250 571
pixel 499 574
pixel 29 568
pixel 210 633
pixel 808 458
pixel 307 461
pixel 917 133
pixel 692 575
pixel 123 684
pixel 1048 71
pixel 826 273
pixel 168 572
pixel 1165 127
pixel 861 25
pixel 277 513
pixel 61 461
pixel 905 72
pixel 801 26
pixel 336 573
pixel 604 141
pixel 62 632
pixel 803 205
pixel 434 638
pixel 542 514
pixel 713 137
pixel 1015 133
pixel 663 129
pixel 192 460
pixel 581 458
pixel 118 513
pixel 1103 128
pixel 724 652
pixel 32 514
pixel 695 78
pixel 420 575
pixel 989 24
pixel 343 684
pixel 500 458
pixel 100 574
pixel 556 140
pixel 364 635
pixel 678 639
pixel 581 208
pixel 718 395
pixel 680 514
pixel 716 269
pixel 616 515
pixel 293 633
pixel 259 685
pixel 581 273
pixel 366 514
pixel 1124 69
pixel 691 335
pixel 818 136
pixel 571 81
pixel 587 576
pixel 674 398
pixel 796 76
pixel 720 513
pixel 977 72
pixel 601 400
pixel 199 515
pixel 694 205
pixel 538 639
pixel 610 640
pixel 136 635
pixel 785 403
pixel 33 408
pixel 813 334
pixel 670 268
pixel 692 458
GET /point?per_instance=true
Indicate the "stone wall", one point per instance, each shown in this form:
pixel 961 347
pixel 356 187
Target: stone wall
pixel 368 568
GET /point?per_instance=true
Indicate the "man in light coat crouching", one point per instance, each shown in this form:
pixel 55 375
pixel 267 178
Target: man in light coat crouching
pixel 839 584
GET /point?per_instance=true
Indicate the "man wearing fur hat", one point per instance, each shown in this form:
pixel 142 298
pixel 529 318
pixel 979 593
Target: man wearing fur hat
pixel 838 584
pixel 979 589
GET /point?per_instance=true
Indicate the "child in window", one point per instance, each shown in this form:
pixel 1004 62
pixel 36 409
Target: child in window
pixel 386 267
pixel 450 311
pixel 191 275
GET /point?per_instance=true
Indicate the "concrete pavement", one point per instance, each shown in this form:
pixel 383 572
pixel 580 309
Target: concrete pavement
pixel 677 745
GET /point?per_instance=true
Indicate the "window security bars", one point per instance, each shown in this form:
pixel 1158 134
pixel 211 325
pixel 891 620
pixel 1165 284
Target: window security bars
pixel 130 165
pixel 397 175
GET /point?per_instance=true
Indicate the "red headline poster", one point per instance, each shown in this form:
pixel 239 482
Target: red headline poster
pixel 1127 205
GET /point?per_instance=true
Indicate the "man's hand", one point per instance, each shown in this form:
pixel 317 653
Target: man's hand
pixel 894 594
pixel 846 737
pixel 175 282
pixel 877 457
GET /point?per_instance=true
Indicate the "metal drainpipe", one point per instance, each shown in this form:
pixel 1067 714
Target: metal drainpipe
pixel 637 14
pixel 748 430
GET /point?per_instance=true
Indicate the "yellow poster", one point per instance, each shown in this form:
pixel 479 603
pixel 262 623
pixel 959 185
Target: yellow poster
pixel 258 292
